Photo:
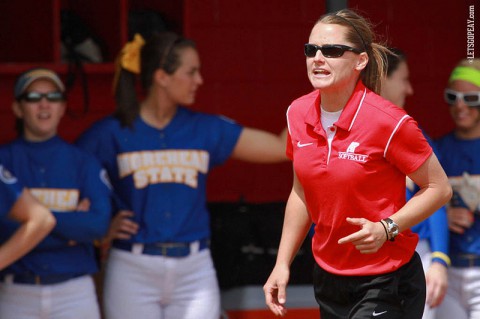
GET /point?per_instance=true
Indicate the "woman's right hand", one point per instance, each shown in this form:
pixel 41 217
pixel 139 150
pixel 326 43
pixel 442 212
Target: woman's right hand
pixel 275 290
pixel 122 227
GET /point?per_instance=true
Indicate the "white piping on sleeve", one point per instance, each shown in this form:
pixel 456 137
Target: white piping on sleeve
pixel 288 122
pixel 393 133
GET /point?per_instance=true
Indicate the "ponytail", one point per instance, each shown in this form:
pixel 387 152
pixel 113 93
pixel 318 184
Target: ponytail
pixel 124 84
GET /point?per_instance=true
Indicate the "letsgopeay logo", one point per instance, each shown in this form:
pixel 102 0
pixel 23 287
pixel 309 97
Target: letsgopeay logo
pixel 351 155
pixel 171 166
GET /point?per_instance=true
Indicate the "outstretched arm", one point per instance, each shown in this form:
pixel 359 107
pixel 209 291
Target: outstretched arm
pixel 36 221
pixel 259 146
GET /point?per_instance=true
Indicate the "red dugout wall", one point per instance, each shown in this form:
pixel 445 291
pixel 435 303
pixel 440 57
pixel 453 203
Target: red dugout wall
pixel 252 59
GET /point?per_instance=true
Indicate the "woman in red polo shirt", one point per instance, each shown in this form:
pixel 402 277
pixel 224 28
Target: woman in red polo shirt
pixel 351 150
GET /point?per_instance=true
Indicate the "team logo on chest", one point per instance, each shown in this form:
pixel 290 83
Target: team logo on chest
pixel 351 155
pixel 169 166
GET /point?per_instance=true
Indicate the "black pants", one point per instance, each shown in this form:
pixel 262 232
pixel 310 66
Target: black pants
pixel 397 295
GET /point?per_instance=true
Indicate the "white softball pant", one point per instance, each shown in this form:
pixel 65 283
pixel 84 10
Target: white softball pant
pixel 72 299
pixel 463 295
pixel 157 287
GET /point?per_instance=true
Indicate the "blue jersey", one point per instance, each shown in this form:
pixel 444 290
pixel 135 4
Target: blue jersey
pixel 461 161
pixel 435 227
pixel 60 175
pixel 10 190
pixel 161 174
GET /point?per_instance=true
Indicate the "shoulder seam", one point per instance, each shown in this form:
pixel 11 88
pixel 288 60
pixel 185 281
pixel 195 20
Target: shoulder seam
pixel 406 116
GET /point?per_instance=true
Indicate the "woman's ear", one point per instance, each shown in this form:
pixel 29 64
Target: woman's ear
pixel 161 77
pixel 17 109
pixel 362 61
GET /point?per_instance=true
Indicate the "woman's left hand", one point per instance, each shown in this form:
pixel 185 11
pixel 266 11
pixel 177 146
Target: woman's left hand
pixel 369 238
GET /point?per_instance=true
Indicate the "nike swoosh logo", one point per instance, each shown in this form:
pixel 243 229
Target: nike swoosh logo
pixel 378 313
pixel 303 145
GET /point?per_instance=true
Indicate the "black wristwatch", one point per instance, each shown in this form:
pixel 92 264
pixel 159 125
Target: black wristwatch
pixel 392 229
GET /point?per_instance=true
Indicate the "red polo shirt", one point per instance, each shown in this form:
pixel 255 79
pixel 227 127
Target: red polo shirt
pixel 362 174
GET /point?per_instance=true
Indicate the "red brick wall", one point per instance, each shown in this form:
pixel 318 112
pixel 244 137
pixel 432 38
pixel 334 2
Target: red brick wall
pixel 253 67
pixel 434 36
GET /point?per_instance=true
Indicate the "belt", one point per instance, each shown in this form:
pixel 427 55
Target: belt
pixel 164 249
pixel 32 279
pixel 465 260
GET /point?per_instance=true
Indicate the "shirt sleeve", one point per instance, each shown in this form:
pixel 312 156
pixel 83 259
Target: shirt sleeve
pixel 408 149
pixel 10 190
pixel 86 226
pixel 99 142
pixel 289 147
pixel 224 139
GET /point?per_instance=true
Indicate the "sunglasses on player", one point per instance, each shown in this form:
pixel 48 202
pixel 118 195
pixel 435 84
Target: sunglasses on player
pixel 33 97
pixel 469 98
pixel 328 50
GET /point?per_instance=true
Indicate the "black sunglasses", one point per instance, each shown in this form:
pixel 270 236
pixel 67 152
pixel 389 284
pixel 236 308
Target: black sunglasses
pixel 328 50
pixel 469 98
pixel 32 97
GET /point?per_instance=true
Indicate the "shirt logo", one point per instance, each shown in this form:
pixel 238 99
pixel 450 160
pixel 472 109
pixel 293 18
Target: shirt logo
pixel 58 200
pixel 375 314
pixel 351 148
pixel 6 176
pixel 169 166
pixel 351 155
pixel 466 191
pixel 303 145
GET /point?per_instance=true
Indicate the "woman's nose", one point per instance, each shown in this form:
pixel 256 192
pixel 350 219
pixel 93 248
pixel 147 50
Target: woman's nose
pixel 459 103
pixel 319 56
pixel 199 79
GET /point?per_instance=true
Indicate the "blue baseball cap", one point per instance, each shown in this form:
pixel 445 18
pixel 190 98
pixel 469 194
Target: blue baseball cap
pixel 28 77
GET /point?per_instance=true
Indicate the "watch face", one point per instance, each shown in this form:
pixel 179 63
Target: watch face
pixel 394 230
pixel 392 227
